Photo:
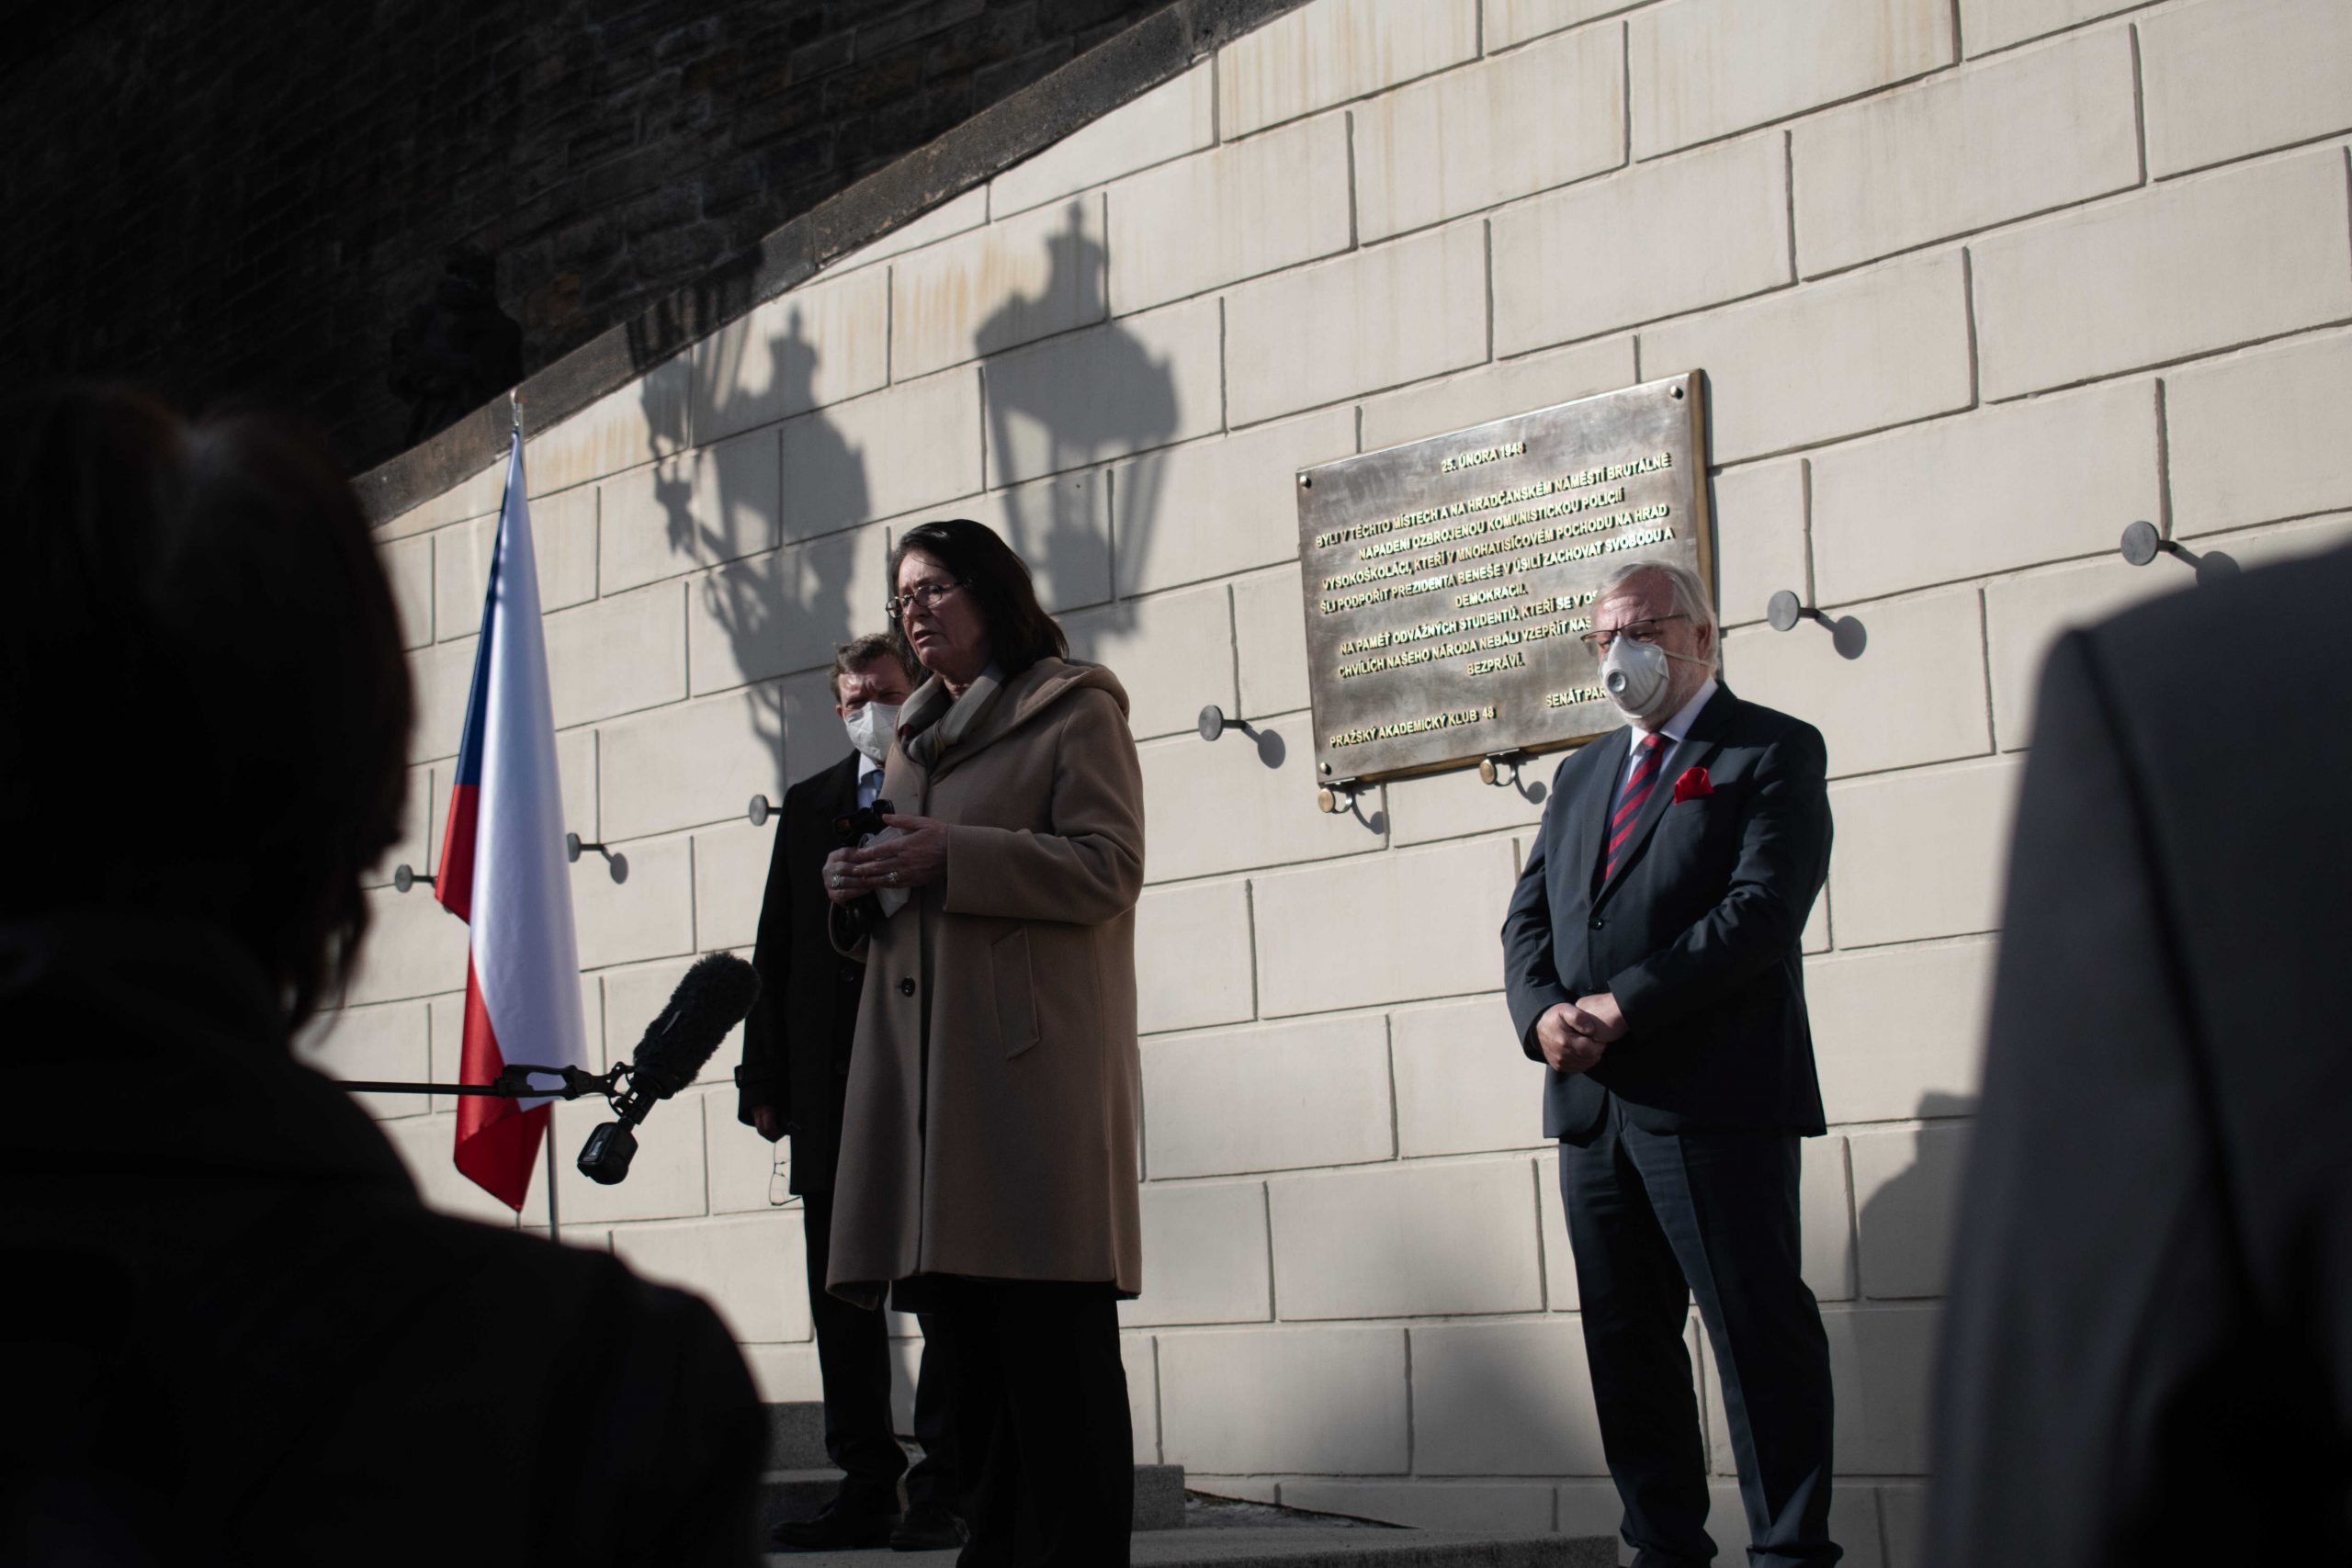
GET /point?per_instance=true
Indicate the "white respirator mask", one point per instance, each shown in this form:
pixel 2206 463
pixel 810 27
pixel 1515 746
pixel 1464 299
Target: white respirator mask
pixel 1636 677
pixel 872 728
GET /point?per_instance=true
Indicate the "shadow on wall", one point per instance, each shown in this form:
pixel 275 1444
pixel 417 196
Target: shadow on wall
pixel 1054 410
pixel 1906 1226
pixel 1095 395
pixel 756 601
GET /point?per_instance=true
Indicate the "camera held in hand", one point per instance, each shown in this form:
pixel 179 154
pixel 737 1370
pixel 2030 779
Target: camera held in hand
pixel 854 828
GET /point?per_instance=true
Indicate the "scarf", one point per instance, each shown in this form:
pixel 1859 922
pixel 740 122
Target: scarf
pixel 933 722
pixel 929 728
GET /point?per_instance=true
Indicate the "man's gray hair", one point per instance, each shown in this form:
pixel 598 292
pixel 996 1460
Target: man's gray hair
pixel 1690 596
pixel 871 647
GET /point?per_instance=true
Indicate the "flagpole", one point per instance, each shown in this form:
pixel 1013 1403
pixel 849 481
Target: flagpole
pixel 554 1232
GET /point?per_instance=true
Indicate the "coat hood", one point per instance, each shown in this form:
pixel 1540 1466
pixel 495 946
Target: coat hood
pixel 1050 680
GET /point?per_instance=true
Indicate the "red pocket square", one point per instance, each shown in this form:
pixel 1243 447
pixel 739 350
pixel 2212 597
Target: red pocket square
pixel 1693 783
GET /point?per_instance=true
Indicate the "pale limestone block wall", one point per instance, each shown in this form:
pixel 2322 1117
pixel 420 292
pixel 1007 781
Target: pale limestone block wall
pixel 1975 286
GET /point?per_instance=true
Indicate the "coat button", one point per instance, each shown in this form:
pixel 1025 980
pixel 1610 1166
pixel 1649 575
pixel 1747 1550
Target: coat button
pixel 1597 922
pixel 907 987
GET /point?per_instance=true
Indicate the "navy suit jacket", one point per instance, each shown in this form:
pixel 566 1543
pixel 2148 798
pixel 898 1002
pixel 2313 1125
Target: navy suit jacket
pixel 1697 935
pixel 797 1040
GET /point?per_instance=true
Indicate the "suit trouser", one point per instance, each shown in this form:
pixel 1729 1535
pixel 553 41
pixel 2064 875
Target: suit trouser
pixel 1046 1444
pixel 854 1362
pixel 1655 1220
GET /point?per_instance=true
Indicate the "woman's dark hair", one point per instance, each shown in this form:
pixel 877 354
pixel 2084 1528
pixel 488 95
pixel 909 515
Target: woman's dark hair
pixel 204 709
pixel 1019 632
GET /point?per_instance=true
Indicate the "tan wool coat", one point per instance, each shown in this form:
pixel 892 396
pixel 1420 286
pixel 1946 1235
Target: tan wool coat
pixel 995 1088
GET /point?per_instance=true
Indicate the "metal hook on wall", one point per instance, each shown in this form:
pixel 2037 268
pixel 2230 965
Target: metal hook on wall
pixel 1271 749
pixel 761 811
pixel 616 863
pixel 405 877
pixel 1846 635
pixel 2143 544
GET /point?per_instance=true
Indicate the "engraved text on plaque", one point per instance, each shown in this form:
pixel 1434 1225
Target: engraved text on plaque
pixel 1448 580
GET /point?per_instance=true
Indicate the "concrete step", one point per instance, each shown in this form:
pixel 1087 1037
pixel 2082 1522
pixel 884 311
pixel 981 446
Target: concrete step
pixel 797 1437
pixel 797 1494
pixel 1295 1548
pixel 801 1476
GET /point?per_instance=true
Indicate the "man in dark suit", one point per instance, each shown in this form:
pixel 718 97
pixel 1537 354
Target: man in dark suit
pixel 793 1081
pixel 1652 961
pixel 2147 1351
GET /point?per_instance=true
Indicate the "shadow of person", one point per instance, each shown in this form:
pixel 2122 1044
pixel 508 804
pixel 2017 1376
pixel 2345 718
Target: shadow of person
pixel 1114 399
pixel 1907 1222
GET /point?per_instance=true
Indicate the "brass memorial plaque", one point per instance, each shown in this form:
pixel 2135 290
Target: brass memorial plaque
pixel 1447 580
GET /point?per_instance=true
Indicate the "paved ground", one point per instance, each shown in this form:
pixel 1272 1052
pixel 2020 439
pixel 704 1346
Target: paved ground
pixel 1294 1546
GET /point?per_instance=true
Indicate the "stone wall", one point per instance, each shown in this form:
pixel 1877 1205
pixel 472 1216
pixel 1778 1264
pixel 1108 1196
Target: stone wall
pixel 1975 286
pixel 250 199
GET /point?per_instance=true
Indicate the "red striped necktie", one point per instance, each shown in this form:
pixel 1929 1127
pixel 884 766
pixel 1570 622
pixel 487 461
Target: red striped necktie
pixel 1648 757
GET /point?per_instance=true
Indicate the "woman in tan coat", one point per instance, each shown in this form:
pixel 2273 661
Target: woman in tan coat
pixel 988 1165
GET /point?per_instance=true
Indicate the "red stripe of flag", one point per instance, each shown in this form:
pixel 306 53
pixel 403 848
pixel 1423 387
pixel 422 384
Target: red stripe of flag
pixel 497 1144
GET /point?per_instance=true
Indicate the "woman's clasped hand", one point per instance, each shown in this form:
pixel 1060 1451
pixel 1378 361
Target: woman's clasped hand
pixel 914 856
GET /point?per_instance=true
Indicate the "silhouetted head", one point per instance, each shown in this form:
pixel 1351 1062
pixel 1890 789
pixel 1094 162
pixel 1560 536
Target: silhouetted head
pixel 991 614
pixel 204 709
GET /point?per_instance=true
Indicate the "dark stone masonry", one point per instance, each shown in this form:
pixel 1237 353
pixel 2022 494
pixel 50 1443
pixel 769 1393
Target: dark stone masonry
pixel 301 203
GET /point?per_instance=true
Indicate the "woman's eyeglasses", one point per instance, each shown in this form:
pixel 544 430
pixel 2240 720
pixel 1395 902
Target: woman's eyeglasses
pixel 924 596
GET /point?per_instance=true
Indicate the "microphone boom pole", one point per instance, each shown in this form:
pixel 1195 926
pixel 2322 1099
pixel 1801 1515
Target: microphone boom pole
pixel 712 998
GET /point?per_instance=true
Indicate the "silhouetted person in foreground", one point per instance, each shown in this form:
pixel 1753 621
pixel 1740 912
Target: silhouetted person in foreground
pixel 232 1334
pixel 2148 1351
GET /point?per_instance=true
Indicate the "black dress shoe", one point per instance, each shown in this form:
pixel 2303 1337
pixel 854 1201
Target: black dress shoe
pixel 843 1525
pixel 928 1528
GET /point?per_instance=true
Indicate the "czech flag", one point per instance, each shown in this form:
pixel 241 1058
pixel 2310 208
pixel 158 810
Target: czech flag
pixel 503 870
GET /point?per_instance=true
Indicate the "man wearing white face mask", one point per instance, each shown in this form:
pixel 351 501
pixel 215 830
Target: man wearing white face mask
pixel 793 1081
pixel 1652 962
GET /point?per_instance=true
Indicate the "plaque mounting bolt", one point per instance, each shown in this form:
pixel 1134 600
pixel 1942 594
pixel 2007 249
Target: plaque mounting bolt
pixel 1344 798
pixel 1502 768
pixel 2143 544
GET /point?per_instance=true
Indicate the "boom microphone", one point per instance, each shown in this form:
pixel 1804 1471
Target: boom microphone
pixel 713 999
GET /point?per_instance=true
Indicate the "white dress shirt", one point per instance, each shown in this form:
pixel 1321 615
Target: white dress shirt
pixel 1674 729
pixel 869 780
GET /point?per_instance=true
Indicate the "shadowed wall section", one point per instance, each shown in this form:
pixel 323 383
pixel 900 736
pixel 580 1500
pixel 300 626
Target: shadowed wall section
pixel 254 199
